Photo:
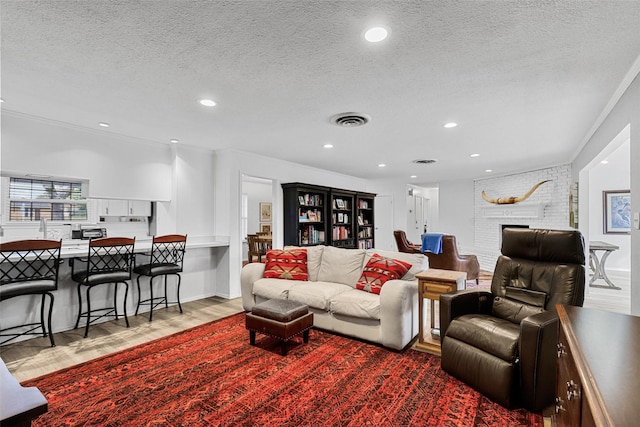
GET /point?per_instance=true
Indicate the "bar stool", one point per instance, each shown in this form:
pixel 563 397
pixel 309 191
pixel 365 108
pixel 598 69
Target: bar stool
pixel 167 255
pixel 109 261
pixel 29 267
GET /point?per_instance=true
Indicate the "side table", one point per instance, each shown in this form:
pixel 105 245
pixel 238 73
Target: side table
pixel 431 284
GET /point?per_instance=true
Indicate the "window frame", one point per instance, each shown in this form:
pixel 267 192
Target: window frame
pixel 8 200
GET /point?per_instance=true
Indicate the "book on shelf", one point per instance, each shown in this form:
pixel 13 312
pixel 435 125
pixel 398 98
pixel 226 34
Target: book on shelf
pixel 365 244
pixel 310 199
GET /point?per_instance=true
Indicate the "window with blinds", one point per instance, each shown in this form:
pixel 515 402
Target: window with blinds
pixel 35 199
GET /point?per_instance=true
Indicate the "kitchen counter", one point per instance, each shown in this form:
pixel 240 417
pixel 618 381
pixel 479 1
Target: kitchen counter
pixel 205 274
pixel 76 248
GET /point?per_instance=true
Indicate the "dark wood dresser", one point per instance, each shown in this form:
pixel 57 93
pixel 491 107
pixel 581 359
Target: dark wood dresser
pixel 598 368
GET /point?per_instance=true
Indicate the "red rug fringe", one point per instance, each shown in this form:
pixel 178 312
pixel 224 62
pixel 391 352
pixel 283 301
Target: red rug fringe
pixel 210 376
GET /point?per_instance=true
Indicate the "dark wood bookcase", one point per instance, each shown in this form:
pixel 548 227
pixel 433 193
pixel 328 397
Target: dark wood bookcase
pixel 306 222
pixel 317 215
pixel 365 220
pixel 343 232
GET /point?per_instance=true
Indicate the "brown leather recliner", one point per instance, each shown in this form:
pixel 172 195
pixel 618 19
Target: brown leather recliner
pixel 503 342
pixel 450 259
pixel 404 245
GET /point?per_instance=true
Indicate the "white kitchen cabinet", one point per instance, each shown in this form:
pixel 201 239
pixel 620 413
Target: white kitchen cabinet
pixel 139 208
pixel 112 207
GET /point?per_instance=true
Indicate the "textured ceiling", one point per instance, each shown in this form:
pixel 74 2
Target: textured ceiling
pixel 526 80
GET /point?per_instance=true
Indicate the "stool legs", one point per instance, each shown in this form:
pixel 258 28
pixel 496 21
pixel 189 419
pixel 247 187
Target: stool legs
pixel 53 344
pixel 113 309
pixel 152 300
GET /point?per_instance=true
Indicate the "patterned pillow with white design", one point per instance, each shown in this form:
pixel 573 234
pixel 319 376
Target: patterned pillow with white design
pixel 378 271
pixel 286 264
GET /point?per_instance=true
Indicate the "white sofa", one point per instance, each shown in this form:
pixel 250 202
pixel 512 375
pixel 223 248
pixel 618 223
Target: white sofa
pixel 390 319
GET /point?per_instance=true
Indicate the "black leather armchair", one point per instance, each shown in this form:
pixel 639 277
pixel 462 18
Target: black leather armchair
pixel 503 342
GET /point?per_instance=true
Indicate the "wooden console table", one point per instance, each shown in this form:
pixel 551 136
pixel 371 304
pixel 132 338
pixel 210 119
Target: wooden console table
pixel 431 284
pixel 598 368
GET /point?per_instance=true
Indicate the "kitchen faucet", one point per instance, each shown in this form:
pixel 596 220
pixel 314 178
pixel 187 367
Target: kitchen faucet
pixel 43 227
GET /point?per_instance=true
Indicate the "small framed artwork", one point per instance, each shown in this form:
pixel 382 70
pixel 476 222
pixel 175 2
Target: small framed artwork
pixel 340 203
pixel 617 211
pixel 265 228
pixel 265 212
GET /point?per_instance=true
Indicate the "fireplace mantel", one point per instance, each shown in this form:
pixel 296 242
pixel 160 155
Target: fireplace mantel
pixel 527 210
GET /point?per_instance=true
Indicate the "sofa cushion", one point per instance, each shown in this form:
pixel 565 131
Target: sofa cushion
pixel 355 303
pixel 286 264
pixel 418 262
pixel 274 288
pixel 314 258
pixel 378 271
pixel 341 265
pixel 317 294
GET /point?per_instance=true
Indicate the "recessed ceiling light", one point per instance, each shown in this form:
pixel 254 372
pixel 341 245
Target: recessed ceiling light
pixel 604 162
pixel 474 155
pixel 414 176
pixel 1 100
pixel 376 34
pixel 488 170
pixel 381 165
pixel 328 145
pixel 103 124
pixel 174 141
pixel 207 102
pixel 450 125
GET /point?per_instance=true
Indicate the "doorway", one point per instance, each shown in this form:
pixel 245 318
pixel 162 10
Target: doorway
pixel 608 171
pixel 257 208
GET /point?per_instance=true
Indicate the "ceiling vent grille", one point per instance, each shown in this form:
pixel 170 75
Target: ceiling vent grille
pixel 424 161
pixel 350 119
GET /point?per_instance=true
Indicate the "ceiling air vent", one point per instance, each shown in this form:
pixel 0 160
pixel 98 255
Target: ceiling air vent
pixel 424 161
pixel 350 119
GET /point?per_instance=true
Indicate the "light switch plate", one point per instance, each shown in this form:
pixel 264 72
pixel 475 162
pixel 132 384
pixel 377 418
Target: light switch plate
pixel 636 220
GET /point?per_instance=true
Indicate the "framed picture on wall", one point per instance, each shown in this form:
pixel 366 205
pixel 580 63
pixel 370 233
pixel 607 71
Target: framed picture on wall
pixel 265 228
pixel 265 212
pixel 617 211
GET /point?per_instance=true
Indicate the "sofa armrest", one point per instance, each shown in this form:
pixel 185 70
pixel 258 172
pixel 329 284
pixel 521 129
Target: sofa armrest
pixel 249 274
pixel 399 313
pixel 538 356
pixel 457 303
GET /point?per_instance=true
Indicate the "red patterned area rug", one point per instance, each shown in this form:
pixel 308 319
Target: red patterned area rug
pixel 210 376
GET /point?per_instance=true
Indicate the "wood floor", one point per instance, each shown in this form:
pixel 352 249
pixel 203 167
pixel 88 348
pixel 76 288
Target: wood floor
pixel 35 357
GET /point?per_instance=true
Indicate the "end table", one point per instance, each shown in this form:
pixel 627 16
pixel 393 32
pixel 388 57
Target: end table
pixel 431 284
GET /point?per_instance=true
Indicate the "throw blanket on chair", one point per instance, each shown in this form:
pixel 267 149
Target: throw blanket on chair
pixel 432 242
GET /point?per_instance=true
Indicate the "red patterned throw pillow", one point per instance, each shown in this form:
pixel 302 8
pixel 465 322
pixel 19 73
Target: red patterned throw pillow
pixel 286 264
pixel 378 271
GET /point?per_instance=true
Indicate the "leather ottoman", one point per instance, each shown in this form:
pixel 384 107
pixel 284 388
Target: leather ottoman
pixel 279 318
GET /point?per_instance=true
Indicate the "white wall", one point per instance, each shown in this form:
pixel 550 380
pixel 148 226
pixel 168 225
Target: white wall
pixel 625 112
pixel 457 212
pixel 117 167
